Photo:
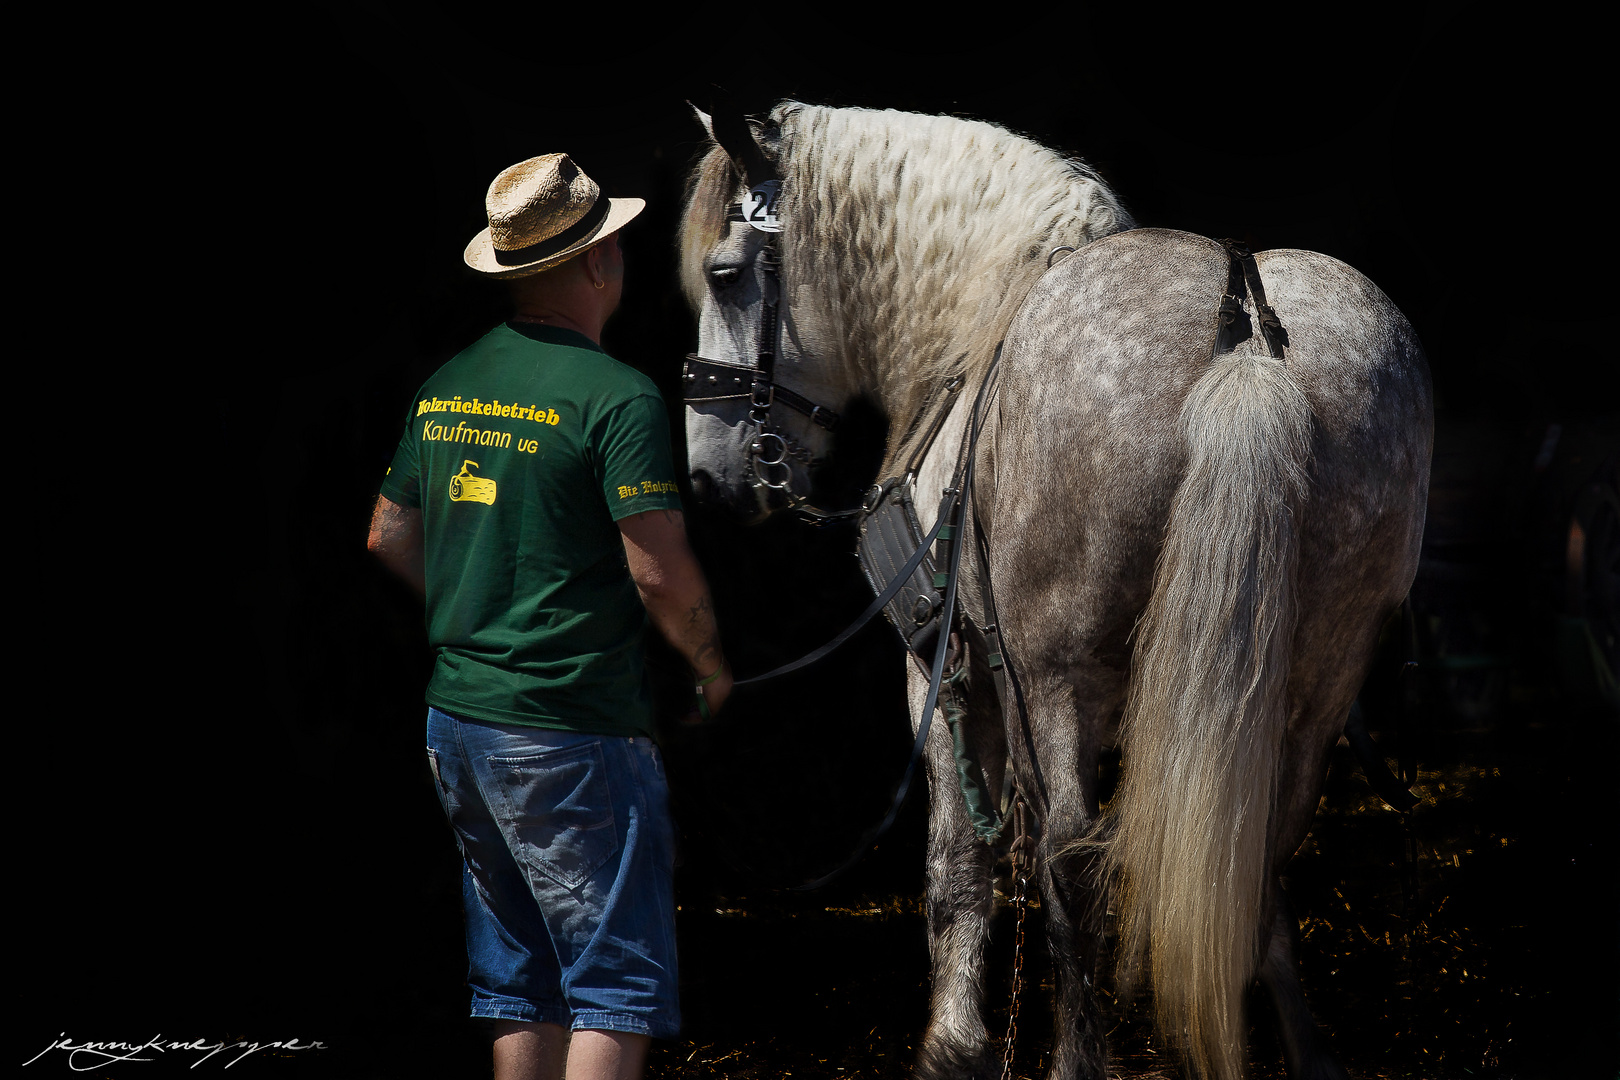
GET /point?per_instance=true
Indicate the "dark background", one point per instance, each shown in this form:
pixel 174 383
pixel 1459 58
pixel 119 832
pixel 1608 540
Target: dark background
pixel 229 827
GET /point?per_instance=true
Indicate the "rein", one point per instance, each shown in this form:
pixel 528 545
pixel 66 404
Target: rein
pixel 947 526
pixel 770 451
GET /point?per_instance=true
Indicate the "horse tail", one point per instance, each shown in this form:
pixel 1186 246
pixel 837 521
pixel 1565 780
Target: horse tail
pixel 1206 712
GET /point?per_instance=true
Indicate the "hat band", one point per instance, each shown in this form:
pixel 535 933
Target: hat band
pixel 561 242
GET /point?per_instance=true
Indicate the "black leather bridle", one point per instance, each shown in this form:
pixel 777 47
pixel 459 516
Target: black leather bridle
pixel 703 379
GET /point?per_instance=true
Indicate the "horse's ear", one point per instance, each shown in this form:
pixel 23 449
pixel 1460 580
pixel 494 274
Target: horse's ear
pixel 705 119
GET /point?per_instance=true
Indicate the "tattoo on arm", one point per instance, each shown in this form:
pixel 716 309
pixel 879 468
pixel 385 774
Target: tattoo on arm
pixel 708 656
pixel 704 634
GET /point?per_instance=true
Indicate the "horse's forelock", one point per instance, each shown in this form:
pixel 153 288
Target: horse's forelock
pixel 703 225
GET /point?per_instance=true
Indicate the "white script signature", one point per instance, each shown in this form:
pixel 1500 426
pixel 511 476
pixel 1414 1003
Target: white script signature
pixel 84 1056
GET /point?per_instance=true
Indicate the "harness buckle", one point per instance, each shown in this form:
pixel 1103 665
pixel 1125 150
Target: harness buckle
pixel 1230 309
pixel 761 396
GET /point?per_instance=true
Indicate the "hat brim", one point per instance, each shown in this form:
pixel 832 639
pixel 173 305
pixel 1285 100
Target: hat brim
pixel 480 254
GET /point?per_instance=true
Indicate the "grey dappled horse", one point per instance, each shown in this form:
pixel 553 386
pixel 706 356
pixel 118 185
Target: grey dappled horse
pixel 1191 553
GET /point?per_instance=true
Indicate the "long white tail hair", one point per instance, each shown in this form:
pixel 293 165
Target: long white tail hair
pixel 1207 711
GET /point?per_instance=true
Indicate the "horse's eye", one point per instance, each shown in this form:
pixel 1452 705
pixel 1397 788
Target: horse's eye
pixel 724 275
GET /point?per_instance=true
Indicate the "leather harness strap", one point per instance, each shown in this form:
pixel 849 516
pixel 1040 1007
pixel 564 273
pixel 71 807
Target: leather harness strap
pixel 718 380
pixel 950 519
pixel 1243 277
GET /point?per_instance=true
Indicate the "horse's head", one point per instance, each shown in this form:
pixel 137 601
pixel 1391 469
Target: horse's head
pixel 761 403
pixel 906 244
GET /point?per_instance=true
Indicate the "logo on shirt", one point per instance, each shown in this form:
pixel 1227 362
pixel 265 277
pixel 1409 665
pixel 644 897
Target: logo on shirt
pixel 648 487
pixel 465 487
pixel 488 408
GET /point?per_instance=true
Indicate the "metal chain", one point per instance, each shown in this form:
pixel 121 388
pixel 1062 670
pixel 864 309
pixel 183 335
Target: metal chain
pixel 1021 902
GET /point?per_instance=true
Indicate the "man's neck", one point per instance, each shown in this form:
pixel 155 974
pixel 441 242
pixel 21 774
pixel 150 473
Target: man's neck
pixel 543 317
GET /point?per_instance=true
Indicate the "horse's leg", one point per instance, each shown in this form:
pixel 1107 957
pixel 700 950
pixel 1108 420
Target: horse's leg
pixel 1305 1050
pixel 1341 606
pixel 1067 599
pixel 1327 679
pixel 958 892
pixel 1066 748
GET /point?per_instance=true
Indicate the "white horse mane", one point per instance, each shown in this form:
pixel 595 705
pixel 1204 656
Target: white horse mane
pixel 913 239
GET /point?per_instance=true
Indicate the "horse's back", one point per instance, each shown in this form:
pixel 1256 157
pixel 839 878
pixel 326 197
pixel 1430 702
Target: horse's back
pixel 1136 312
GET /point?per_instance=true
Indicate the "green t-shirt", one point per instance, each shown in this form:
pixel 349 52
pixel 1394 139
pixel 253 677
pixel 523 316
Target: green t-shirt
pixel 522 453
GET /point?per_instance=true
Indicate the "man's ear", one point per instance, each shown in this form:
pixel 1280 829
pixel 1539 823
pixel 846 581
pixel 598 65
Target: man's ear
pixel 593 264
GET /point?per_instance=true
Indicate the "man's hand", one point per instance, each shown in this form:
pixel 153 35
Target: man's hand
pixel 396 539
pixel 673 588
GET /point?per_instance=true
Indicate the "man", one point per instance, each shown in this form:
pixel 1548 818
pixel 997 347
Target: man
pixel 532 501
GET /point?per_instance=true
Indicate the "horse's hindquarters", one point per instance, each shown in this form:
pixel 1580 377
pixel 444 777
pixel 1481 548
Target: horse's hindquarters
pixel 1361 368
pixel 1090 447
pixel 1088 451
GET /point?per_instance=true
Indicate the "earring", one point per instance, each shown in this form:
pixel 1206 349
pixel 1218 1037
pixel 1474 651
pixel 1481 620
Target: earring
pixel 601 284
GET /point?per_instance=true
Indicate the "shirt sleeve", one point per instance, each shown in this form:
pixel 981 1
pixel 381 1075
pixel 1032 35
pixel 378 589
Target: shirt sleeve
pixel 402 484
pixel 637 471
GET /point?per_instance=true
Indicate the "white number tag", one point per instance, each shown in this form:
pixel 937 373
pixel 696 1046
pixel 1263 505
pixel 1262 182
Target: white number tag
pixel 759 206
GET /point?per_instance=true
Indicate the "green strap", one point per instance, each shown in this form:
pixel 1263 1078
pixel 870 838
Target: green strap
pixel 982 811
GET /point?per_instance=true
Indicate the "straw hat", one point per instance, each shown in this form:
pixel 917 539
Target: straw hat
pixel 543 212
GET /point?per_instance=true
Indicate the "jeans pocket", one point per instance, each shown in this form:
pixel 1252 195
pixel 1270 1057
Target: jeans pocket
pixel 650 750
pixel 557 811
pixel 447 799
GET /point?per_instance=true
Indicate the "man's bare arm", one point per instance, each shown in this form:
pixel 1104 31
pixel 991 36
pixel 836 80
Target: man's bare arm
pixel 396 539
pixel 676 594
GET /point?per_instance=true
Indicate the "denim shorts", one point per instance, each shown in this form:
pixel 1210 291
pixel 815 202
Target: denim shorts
pixel 568 888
